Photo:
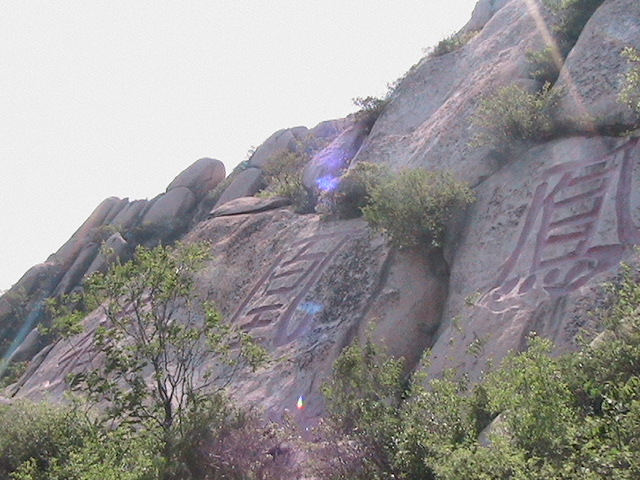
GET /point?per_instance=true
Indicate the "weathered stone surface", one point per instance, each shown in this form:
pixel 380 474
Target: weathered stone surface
pixel 281 141
pixel 116 246
pixel 66 255
pixel 428 123
pixel 35 278
pixel 31 345
pixel 330 129
pixel 247 183
pixel 249 205
pixel 482 13
pixel 130 214
pixel 593 74
pixel 201 177
pixel 75 273
pixel 544 233
pixel 405 314
pixel 174 203
pixel 327 165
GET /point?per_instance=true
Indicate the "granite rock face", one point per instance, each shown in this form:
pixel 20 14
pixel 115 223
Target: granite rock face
pixel 544 233
pixel 552 222
pixel 429 121
pixel 301 286
pixel 247 183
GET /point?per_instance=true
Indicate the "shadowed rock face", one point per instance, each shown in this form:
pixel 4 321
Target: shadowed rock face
pixel 593 74
pixel 550 225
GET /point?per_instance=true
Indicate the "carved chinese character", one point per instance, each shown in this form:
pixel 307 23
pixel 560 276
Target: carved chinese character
pixel 560 248
pixel 277 297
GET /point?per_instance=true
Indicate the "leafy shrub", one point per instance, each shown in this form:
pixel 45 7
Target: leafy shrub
pixel 414 206
pixel 363 401
pixel 536 401
pixel 283 175
pixel 575 416
pixel 352 191
pixel 545 64
pixel 452 43
pixel 630 94
pixel 572 17
pixel 514 114
pixel 55 442
pixel 12 373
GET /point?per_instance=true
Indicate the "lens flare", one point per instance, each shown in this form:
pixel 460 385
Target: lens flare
pixel 312 308
pixel 301 404
pixel 327 183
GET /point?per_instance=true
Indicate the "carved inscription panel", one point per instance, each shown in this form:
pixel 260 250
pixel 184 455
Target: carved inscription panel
pixel 275 306
pixel 561 245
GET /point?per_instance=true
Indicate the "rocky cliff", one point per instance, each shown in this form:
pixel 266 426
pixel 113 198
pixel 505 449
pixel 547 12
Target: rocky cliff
pixel 554 217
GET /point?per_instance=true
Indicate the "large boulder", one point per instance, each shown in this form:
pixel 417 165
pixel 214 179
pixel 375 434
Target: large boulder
pixel 130 214
pixel 482 13
pixel 106 211
pixel 201 177
pixel 175 203
pixel 245 184
pixel 281 141
pixel 594 73
pixel 244 205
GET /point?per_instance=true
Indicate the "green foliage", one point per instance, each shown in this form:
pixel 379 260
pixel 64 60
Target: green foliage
pixel 159 337
pixel 413 207
pixel 47 442
pixel 103 232
pixel 630 94
pixel 452 43
pixel 283 175
pixel 370 108
pixel 535 399
pixel 545 64
pixel 514 114
pixel 363 399
pixel 352 192
pixel 562 418
pixel 572 16
pixel 12 373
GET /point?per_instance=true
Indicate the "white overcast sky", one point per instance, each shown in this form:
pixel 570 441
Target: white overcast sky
pixel 115 98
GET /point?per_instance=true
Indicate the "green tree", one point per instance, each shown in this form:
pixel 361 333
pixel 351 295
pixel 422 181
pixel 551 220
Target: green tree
pixel 165 355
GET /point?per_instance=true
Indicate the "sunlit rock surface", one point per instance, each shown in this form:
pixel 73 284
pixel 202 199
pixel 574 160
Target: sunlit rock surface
pixel 593 75
pixel 551 223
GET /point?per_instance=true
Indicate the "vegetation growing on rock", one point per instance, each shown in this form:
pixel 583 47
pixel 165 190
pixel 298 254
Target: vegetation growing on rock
pixel 575 416
pixel 451 43
pixel 155 346
pixel 283 175
pixel 414 207
pixel 515 114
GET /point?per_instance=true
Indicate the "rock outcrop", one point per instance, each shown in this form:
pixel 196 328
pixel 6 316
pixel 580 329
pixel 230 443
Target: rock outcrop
pixel 552 221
